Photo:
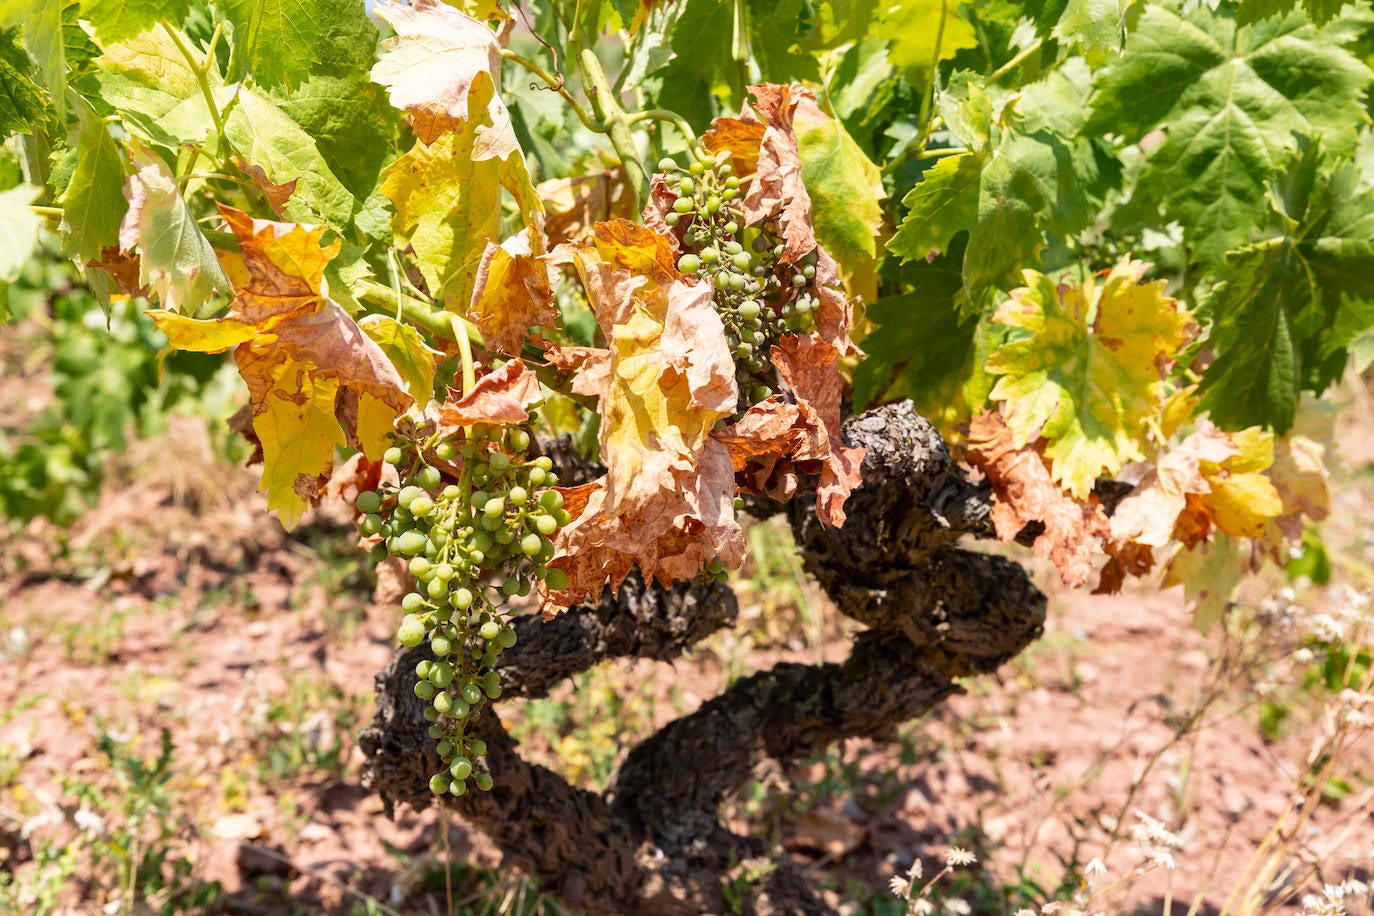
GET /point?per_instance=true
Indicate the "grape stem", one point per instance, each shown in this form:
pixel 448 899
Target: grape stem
pixel 672 117
pixel 617 124
pixel 464 352
pixel 557 85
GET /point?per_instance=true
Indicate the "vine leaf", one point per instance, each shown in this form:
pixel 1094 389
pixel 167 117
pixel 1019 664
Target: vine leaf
pixel 1088 372
pixel 21 99
pixel 1209 576
pixel 299 352
pixel 408 352
pixel 502 396
pixel 175 259
pixel 809 366
pixel 19 229
pixel 666 502
pixel 1230 99
pixel 918 24
pixel 1211 480
pixel 1296 299
pixel 511 294
pixel 157 94
pixel 431 67
pixel 1024 492
pixel 321 35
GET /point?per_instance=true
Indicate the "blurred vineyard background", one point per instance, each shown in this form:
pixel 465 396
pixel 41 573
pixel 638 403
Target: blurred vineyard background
pixel 183 683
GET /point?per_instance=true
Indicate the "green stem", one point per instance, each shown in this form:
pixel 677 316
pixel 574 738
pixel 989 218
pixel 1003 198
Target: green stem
pixel 49 212
pixel 557 84
pixel 464 353
pixel 939 151
pixel 672 117
pixel 201 70
pixel 928 100
pixel 1015 62
pixel 609 112
pixel 437 323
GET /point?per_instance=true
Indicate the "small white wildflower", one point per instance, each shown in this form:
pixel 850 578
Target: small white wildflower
pixel 88 821
pixel 1025 911
pixel 956 857
pixel 1287 595
pixel 916 870
pixel 1304 656
pixel 958 906
pixel 1095 869
pixel 921 906
pixel 1333 891
pixel 1328 628
pixel 1165 859
pixel 899 886
pixel 1050 908
pixel 1356 888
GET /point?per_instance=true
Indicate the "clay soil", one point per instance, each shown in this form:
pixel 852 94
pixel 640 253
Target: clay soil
pixel 177 605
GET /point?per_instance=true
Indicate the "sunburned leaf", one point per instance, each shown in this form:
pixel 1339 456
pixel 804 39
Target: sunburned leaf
pixel 666 501
pixel 777 190
pixel 299 353
pixel 1230 99
pixel 176 260
pixel 1023 492
pixel 1212 480
pixel 412 357
pixel 512 294
pixel 431 67
pixel 575 204
pixel 276 195
pixel 1090 373
pixel 501 397
pixel 809 367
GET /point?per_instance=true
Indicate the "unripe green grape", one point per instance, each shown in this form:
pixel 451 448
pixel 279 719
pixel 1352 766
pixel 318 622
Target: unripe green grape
pixel 749 309
pixel 743 349
pixel 407 496
pixel 731 227
pixel 731 182
pixel 494 507
pixel 429 477
pixel 446 450
pixel 479 498
pixel 442 701
pixel 441 675
pixel 742 261
pixel 492 523
pixel 425 690
pixel 562 517
pixel 418 567
pixel 683 205
pixel 556 579
pixel 368 502
pixel 518 439
pixel 477 747
pixel 393 455
pixel 490 630
pixel 709 255
pixel 484 781
pixel 438 783
pixel 422 668
pixel 371 524
pixel 761 393
pixel 671 219
pixel 666 165
pixel 400 516
pixel 713 204
pixel 518 495
pixel 536 476
pixel 431 714
pixel 422 505
pixel 461 599
pixel 461 768
pixel 544 463
pixel 510 587
pixel 441 645
pixel 689 263
pixel 739 503
pixel 411 632
pixel 436 588
pixel 460 709
pixel 551 479
pixel 531 544
pixel 798 280
pixel 546 525
pixel 457 788
pixel 472 694
pixel 493 692
pixel 498 462
pixel 409 543
pixel 506 638
pixel 501 537
pixel 444 747
pixel 696 168
pixel 809 272
pixel 551 499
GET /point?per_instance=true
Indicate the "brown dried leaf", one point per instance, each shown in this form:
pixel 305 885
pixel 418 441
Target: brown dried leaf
pixel 575 204
pixel 276 194
pixel 512 295
pixel 739 137
pixel 809 366
pixel 771 429
pixel 500 397
pixel 124 267
pixel 1024 492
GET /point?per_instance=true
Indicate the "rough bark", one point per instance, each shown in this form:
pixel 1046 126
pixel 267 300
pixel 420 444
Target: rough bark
pixel 654 842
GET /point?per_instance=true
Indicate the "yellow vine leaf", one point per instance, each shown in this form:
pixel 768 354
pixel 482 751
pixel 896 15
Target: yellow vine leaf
pixel 299 352
pixel 511 294
pixel 1087 373
pixel 666 502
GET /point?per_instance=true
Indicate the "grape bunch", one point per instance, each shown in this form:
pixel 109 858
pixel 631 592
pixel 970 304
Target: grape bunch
pixel 758 296
pixel 471 546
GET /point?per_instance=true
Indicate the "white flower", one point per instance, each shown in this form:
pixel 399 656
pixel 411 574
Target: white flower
pixel 958 906
pixel 1095 869
pixel 921 906
pixel 899 886
pixel 957 856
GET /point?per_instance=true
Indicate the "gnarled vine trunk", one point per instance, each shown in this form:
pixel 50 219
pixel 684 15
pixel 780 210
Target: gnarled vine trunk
pixel 654 842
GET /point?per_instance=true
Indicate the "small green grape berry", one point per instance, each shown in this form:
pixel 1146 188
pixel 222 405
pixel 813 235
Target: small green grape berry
pixel 493 691
pixel 551 499
pixel 368 502
pixel 667 165
pixel 419 566
pixel 494 507
pixel 431 714
pixel 477 747
pixel 442 701
pixel 683 205
pixel 422 668
pixel 446 450
pixel 506 638
pixel 531 544
pixel 393 455
pixel 371 524
pixel 429 477
pixel 461 599
pixel 750 309
pixel 546 525
pixel 425 690
pixel 438 783
pixel 689 263
pixel 472 694
pixel 436 588
pixel 444 747
pixel 709 255
pixel 518 495
pixel 407 496
pixel 484 781
pixel 441 645
pixel 411 632
pixel 518 440
pixel 490 630
pixel 461 768
pixel 498 462
pixel 536 476
pixel 544 463
pixel 422 505
pixel 441 675
pixel 458 789
pixel 410 543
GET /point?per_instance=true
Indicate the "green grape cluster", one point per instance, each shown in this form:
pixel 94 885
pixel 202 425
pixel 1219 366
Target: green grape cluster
pixel 471 546
pixel 759 298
